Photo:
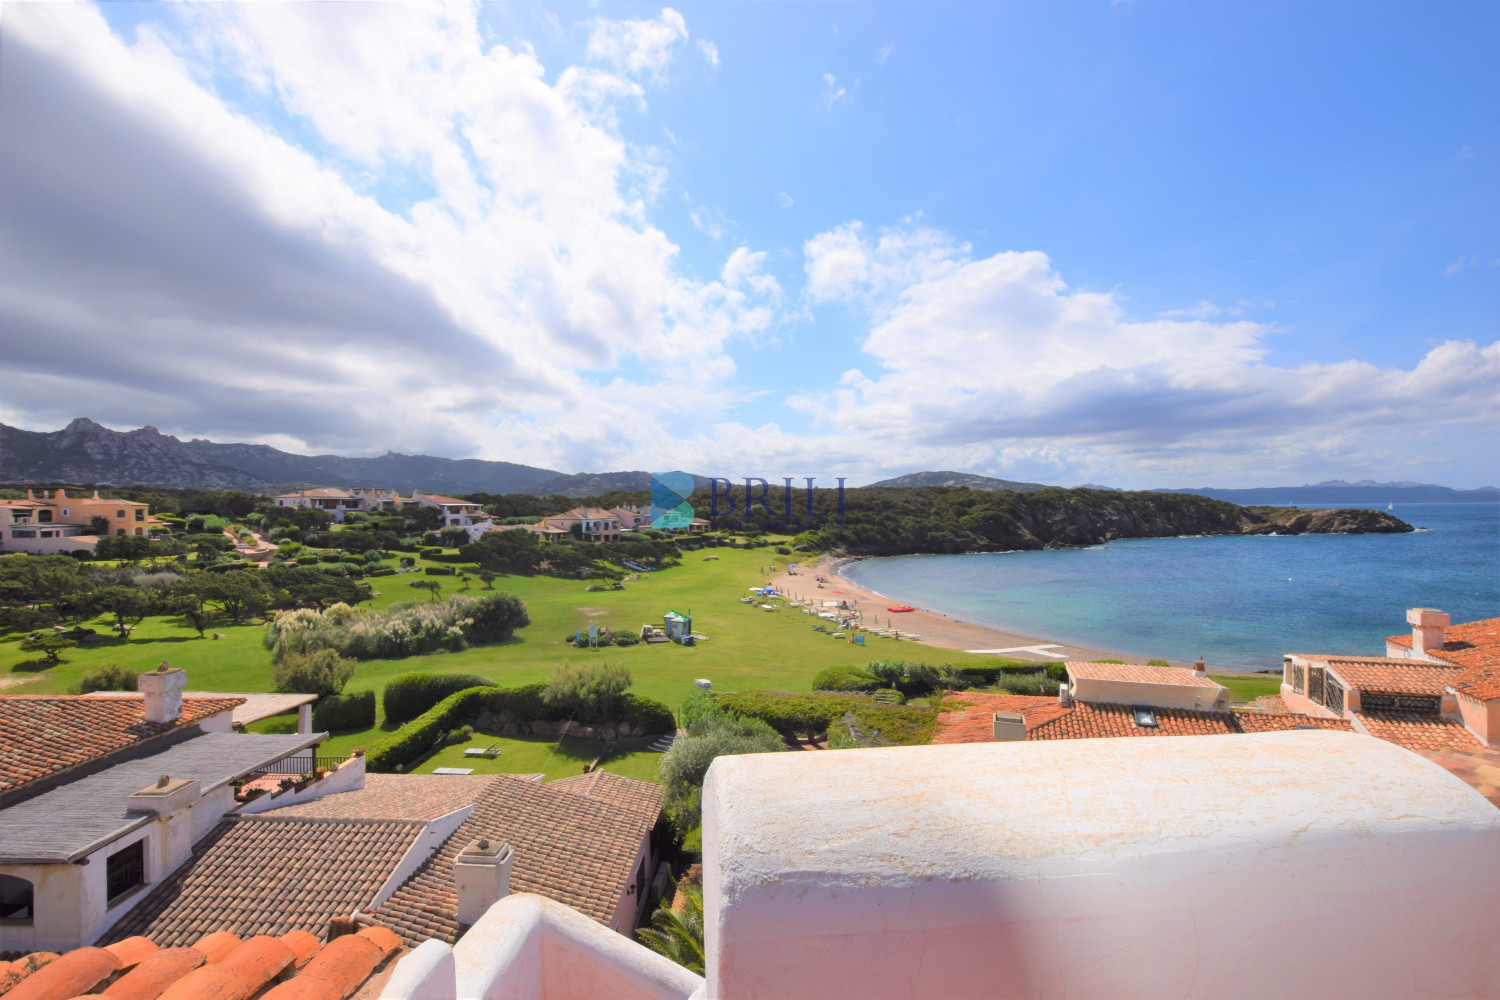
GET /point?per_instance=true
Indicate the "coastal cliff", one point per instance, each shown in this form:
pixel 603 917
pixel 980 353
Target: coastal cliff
pixel 887 521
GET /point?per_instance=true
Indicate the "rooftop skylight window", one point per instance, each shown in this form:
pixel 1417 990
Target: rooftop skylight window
pixel 1145 718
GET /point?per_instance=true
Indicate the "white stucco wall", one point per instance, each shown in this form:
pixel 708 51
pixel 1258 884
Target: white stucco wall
pixel 1302 864
pixel 1203 698
pixel 347 777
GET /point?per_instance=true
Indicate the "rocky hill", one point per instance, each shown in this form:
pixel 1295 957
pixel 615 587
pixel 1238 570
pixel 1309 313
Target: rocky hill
pixel 86 452
pixel 964 479
pixel 1344 521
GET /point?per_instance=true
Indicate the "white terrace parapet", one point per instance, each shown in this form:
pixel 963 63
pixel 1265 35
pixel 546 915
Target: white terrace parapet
pixel 1299 864
pixel 527 947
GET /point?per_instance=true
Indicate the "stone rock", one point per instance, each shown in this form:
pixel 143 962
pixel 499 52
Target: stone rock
pixel 541 727
pixel 487 722
pixel 587 732
pixel 607 735
pixel 508 716
pixel 510 729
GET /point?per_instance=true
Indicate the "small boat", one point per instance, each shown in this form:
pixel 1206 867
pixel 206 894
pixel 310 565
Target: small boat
pixel 1390 506
pixel 901 607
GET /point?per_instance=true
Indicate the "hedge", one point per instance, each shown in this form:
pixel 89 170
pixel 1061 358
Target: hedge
pixel 844 678
pixel 426 731
pixel 438 570
pixel 431 728
pixel 905 725
pixel 350 710
pixel 409 695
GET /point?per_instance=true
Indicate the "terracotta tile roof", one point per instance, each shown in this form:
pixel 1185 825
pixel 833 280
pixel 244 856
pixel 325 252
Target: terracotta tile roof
pixel 1477 767
pixel 217 964
pixel 1391 676
pixel 970 720
pixel 412 797
pixel 1418 730
pixel 1475 646
pixel 42 735
pixel 1136 673
pixel 321 493
pixel 435 498
pixel 579 850
pixel 627 793
pixel 1047 720
pixel 269 875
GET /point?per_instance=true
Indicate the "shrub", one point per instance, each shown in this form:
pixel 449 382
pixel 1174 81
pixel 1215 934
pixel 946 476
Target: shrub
pixel 685 764
pixel 372 557
pixel 782 550
pixel 626 639
pixel 408 561
pixel 1157 663
pixel 307 559
pixel 320 672
pixel 845 678
pixel 695 706
pixel 905 725
pixel 111 678
pixel 355 560
pixel 430 553
pixel 589 692
pixel 330 557
pixel 381 571
pixel 198 524
pixel 1034 684
pixel 355 710
pixel 409 695
pixel 400 630
pixel 438 570
pixel 648 715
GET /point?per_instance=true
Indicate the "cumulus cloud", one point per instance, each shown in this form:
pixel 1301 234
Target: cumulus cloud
pixel 165 255
pixel 709 51
pixel 986 357
pixel 642 48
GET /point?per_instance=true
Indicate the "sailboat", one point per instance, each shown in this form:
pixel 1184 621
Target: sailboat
pixel 1390 506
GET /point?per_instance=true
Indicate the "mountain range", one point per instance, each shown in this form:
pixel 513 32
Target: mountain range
pixel 85 452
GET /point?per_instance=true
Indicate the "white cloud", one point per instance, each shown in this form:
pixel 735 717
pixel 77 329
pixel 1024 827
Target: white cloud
pixel 710 222
pixel 709 51
pixel 832 92
pixel 511 265
pixel 983 358
pixel 641 48
pixel 884 54
pixel 784 200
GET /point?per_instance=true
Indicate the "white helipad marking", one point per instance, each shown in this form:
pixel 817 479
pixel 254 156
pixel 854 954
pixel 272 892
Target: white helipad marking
pixel 1042 649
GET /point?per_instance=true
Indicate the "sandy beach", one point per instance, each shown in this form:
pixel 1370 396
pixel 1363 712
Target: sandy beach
pixel 935 629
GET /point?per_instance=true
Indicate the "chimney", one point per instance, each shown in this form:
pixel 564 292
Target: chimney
pixel 1427 626
pixel 481 874
pixel 167 797
pixel 1064 696
pixel 1009 727
pixel 163 690
pixel 1200 669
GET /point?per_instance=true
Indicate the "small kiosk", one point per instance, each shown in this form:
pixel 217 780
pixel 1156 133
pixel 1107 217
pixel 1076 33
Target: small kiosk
pixel 678 627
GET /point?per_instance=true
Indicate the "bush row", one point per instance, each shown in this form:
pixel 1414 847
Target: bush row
pixel 409 695
pixel 430 729
pixel 353 710
pixel 794 714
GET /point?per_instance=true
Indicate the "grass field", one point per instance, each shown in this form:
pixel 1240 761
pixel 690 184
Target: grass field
pixel 1248 687
pixel 747 647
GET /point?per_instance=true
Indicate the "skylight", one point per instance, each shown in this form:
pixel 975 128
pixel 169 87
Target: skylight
pixel 1145 718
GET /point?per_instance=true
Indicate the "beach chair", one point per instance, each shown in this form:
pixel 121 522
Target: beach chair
pixel 492 751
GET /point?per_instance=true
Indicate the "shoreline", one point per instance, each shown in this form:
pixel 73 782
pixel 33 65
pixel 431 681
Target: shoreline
pixel 935 629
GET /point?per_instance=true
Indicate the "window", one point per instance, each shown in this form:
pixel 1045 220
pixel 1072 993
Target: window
pixel 65 512
pixel 44 516
pixel 1144 717
pixel 124 870
pixel 140 513
pixel 15 533
pixel 119 531
pixel 15 899
pixel 119 515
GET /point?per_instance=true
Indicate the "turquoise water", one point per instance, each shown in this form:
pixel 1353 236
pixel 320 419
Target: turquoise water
pixel 1240 602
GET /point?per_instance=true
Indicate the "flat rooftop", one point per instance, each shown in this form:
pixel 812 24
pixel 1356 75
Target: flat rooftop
pixel 1137 674
pixel 69 821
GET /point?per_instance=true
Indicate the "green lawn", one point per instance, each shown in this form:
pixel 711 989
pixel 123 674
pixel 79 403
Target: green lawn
pixel 1248 687
pixel 747 647
pixel 537 754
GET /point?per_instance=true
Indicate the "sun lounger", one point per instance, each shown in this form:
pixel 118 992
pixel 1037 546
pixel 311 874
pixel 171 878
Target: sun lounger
pixel 491 751
pixel 453 770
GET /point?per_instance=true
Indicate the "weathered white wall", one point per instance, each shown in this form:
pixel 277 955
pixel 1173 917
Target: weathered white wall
pixel 422 846
pixel 57 910
pixel 347 777
pixel 1301 864
pixel 1120 692
pixel 527 947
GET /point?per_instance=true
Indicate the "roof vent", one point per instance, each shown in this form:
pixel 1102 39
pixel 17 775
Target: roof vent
pixel 1009 726
pixel 1144 717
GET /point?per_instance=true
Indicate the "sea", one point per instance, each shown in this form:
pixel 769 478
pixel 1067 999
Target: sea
pixel 1239 602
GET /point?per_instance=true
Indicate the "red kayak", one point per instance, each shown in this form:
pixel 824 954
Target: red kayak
pixel 902 607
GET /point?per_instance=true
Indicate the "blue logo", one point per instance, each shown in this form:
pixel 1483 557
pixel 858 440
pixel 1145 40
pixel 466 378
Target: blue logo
pixel 671 508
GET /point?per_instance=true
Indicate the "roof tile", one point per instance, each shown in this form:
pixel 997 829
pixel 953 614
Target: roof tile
pixel 1418 730
pixel 1475 646
pixel 42 735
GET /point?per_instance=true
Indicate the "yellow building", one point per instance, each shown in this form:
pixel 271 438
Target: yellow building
pixel 52 521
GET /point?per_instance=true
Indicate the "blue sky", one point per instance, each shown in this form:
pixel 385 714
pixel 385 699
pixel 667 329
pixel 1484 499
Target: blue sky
pixel 1133 243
